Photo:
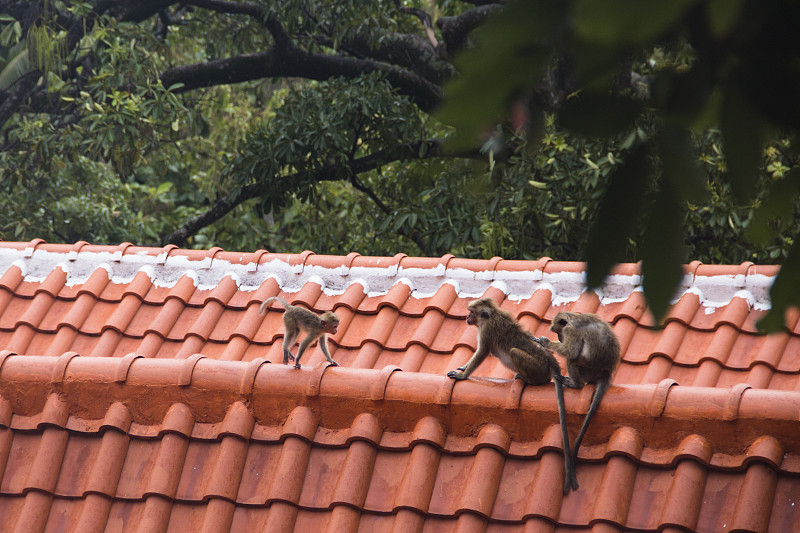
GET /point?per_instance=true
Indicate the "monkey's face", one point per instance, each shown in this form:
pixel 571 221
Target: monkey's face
pixel 477 314
pixel 559 322
pixel 330 327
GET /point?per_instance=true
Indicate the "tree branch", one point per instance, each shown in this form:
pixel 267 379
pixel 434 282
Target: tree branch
pixel 455 30
pixel 295 62
pixel 423 16
pixel 402 152
pixel 282 39
pixel 414 235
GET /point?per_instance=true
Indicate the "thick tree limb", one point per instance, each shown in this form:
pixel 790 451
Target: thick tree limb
pixel 406 50
pixel 402 152
pixel 256 11
pixel 455 30
pixel 295 62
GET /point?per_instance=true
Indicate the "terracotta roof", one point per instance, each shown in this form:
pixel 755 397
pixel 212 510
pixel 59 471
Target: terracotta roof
pixel 136 394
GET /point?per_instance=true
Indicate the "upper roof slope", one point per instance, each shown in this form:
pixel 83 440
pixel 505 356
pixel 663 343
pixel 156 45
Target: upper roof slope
pixel 403 311
pixel 135 395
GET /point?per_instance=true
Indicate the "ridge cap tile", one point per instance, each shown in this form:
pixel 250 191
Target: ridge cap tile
pixel 60 368
pixel 187 369
pixel 249 377
pixel 124 367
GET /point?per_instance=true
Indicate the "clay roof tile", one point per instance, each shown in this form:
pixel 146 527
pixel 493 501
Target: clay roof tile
pixel 140 390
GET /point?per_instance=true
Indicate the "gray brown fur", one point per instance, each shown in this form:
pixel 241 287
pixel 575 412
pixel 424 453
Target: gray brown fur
pixel 296 319
pixel 588 344
pixel 503 337
pixel 592 352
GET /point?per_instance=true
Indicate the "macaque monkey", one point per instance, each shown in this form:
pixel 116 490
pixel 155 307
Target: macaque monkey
pixel 592 352
pixel 299 318
pixel 503 337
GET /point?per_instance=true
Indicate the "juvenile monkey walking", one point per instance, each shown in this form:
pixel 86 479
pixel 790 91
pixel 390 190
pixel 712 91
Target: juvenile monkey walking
pixel 298 318
pixel 503 337
pixel 592 352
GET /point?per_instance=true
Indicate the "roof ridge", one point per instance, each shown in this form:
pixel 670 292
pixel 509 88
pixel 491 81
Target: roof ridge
pixel 30 383
pixel 716 285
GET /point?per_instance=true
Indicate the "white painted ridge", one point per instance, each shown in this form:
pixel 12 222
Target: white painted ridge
pixel 565 287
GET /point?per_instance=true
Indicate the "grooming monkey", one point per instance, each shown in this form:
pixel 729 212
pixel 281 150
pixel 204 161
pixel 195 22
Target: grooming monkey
pixel 503 337
pixel 592 352
pixel 298 318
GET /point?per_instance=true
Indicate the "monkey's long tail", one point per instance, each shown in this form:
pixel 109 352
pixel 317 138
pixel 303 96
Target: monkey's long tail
pixel 265 304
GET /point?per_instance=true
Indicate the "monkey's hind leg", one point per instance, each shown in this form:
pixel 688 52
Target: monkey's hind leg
pixel 531 369
pixel 288 340
pixel 570 478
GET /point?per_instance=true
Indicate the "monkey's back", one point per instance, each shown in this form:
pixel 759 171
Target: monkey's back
pixel 305 319
pixel 603 345
pixel 509 334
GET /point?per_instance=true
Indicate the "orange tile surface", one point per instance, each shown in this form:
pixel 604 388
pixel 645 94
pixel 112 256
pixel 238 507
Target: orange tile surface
pixel 141 391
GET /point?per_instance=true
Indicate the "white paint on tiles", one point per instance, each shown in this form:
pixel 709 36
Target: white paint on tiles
pixel 564 287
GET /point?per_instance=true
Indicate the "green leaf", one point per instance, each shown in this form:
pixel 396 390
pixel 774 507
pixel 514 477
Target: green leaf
pixel 14 69
pixel 662 251
pixel 620 22
pixel 617 215
pixel 723 15
pixel 743 133
pixel 680 165
pixel 785 292
pixel 778 204
pixel 599 115
pixel 512 56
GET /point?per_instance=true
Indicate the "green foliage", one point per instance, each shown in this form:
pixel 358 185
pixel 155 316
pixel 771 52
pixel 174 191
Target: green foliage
pixel 739 74
pixel 319 127
pixel 673 136
pixel 71 179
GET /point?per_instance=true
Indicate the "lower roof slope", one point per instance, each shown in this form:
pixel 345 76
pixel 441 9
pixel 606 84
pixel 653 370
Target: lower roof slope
pixel 137 394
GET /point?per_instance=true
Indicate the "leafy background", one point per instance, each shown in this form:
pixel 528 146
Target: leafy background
pixel 606 131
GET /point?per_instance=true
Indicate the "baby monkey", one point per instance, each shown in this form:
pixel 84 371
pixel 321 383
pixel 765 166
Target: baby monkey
pixel 503 337
pixel 299 318
pixel 592 352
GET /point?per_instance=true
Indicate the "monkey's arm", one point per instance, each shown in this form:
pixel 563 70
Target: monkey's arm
pixel 571 349
pixel 323 345
pixel 562 349
pixel 476 359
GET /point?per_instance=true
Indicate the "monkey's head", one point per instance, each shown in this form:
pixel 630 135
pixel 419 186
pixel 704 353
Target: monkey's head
pixel 480 310
pixel 560 322
pixel 330 322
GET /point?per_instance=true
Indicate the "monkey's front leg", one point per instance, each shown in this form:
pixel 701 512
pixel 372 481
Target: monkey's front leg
pixel 323 344
pixel 463 372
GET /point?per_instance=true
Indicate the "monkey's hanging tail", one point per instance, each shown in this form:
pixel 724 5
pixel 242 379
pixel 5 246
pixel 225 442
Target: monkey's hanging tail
pixel 570 478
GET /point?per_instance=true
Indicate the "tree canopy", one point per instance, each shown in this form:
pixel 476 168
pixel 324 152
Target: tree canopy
pixel 611 131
